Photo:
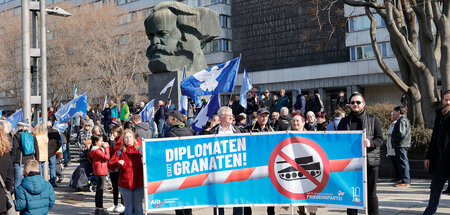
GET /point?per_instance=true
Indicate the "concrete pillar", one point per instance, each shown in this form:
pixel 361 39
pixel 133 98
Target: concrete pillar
pixel 351 90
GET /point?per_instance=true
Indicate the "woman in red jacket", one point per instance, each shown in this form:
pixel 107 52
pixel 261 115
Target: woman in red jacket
pixel 131 180
pixel 100 156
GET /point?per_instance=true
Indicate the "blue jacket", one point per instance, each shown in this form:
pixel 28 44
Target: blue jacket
pixel 34 196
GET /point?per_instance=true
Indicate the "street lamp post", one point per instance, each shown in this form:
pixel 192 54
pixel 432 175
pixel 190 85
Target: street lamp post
pixel 27 53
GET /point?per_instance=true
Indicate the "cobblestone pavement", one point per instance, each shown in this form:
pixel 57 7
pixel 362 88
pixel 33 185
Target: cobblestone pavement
pixel 393 201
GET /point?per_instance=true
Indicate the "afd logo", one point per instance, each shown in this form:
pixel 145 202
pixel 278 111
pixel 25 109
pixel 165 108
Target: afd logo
pixel 156 202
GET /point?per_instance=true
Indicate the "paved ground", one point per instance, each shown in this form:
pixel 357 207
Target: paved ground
pixel 393 201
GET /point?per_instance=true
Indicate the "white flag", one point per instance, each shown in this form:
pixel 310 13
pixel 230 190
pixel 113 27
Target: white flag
pixel 170 84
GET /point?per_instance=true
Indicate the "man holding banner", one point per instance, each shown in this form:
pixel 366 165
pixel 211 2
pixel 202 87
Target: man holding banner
pixel 261 125
pixel 359 119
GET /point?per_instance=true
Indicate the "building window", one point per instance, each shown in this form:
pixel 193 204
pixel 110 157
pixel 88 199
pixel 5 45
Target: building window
pixel 361 23
pixel 225 21
pixel 220 45
pixel 366 52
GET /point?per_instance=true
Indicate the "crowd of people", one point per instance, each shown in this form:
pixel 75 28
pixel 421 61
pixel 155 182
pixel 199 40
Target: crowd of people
pixel 110 139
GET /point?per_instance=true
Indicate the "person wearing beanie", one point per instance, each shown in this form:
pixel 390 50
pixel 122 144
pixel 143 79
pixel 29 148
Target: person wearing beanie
pixel 177 126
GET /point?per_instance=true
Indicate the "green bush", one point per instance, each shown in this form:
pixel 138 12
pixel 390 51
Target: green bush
pixel 420 137
pixel 383 113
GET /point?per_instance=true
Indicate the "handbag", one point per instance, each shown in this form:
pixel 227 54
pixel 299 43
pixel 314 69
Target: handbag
pixel 12 209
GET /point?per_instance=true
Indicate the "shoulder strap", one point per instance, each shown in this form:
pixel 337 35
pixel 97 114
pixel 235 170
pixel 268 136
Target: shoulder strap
pixel 3 184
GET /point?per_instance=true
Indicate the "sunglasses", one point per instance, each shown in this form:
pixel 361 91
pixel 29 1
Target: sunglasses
pixel 356 102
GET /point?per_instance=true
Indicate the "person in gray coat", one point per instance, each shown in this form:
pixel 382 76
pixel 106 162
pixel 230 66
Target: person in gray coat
pixel 401 141
pixel 141 129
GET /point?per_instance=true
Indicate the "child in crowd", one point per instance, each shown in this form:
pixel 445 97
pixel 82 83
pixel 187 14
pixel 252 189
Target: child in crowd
pixel 100 156
pixel 34 195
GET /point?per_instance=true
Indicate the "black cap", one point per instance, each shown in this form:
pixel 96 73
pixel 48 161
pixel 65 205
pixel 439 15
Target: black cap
pixel 176 114
pixel 262 110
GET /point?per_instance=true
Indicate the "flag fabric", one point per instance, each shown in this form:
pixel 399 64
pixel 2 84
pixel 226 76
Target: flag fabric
pixel 206 113
pixel 147 113
pixel 184 99
pixel 75 90
pixel 104 103
pixel 1 114
pixel 76 107
pixel 60 126
pixel 213 80
pixel 246 86
pixel 15 118
pixel 170 84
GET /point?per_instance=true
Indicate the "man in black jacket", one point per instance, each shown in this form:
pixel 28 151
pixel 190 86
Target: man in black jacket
pixel 17 155
pixel 54 143
pixel 284 122
pixel 401 141
pixel 261 125
pixel 359 119
pixel 177 127
pixel 438 155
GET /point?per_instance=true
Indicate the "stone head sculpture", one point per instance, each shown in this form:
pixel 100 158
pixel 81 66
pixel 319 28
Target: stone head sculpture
pixel 177 34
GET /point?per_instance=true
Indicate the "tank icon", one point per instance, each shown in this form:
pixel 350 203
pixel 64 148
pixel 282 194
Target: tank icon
pixel 291 174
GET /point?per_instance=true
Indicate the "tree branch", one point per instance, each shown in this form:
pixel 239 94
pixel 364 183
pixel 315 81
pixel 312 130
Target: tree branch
pixel 370 4
pixel 391 74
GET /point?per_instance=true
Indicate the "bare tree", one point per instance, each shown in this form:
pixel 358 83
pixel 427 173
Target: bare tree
pixel 10 57
pixel 420 39
pixel 97 50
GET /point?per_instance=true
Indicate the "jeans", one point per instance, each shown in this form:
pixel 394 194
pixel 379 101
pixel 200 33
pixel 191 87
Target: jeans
pixel 401 155
pixel 99 192
pixel 161 123
pixel 66 153
pixel 52 167
pixel 18 174
pixel 133 200
pixel 438 180
pixel 372 198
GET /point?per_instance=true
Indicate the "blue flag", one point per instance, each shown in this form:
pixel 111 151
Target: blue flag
pixel 75 90
pixel 76 107
pixel 184 99
pixel 1 113
pixel 246 86
pixel 147 113
pixel 15 118
pixel 60 126
pixel 206 113
pixel 213 80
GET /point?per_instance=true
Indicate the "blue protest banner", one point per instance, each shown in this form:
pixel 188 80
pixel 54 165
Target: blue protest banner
pixel 282 169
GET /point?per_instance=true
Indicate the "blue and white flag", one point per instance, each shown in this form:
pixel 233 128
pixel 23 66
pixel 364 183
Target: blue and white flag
pixel 1 114
pixel 246 86
pixel 206 113
pixel 60 126
pixel 106 102
pixel 75 90
pixel 76 107
pixel 147 113
pixel 184 99
pixel 170 84
pixel 15 118
pixel 213 80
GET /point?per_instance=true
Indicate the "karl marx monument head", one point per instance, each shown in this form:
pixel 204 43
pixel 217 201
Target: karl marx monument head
pixel 177 34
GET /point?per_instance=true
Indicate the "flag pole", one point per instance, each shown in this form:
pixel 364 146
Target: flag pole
pixel 170 91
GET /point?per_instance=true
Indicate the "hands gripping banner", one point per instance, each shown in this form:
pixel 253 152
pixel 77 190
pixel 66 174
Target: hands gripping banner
pixel 314 168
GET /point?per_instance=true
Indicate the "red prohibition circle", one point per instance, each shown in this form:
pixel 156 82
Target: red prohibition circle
pixel 317 148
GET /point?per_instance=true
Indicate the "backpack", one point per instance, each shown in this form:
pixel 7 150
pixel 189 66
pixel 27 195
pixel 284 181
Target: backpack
pixel 27 143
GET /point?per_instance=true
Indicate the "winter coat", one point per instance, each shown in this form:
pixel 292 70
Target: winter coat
pixel 252 106
pixel 341 103
pixel 114 112
pixel 160 113
pixel 34 195
pixel 131 174
pixel 179 129
pixel 373 134
pixel 439 146
pixel 16 150
pixel 282 102
pixel 300 103
pixel 142 131
pixel 237 108
pixel 7 173
pixel 257 128
pixel 106 113
pixel 333 125
pixel 322 127
pixel 215 129
pixel 311 126
pixel 313 104
pixel 283 123
pixel 54 141
pixel 42 140
pixel 100 157
pixel 83 135
pixel 269 104
pixel 124 113
pixel 401 135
